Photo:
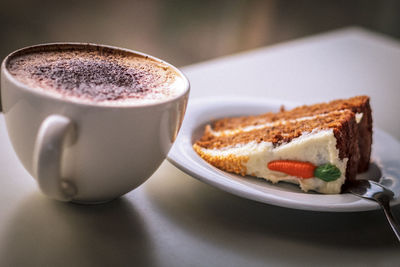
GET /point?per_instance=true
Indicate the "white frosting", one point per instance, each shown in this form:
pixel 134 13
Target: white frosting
pixel 315 147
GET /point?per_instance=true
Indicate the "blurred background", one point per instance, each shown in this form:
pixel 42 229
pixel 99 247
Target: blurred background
pixel 183 31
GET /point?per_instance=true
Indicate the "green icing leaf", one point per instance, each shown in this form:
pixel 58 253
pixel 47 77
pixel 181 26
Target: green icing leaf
pixel 327 172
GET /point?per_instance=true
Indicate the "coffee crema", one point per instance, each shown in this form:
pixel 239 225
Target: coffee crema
pixel 100 75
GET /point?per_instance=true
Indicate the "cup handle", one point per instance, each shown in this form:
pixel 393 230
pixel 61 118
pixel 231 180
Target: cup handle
pixel 55 133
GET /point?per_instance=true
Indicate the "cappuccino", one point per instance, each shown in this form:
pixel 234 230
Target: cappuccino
pixel 96 75
pixel 90 122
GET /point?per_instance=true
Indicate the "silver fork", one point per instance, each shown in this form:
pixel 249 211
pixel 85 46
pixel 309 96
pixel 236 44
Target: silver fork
pixel 374 191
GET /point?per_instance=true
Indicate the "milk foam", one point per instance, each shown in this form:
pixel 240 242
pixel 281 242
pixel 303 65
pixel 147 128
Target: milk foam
pixel 103 76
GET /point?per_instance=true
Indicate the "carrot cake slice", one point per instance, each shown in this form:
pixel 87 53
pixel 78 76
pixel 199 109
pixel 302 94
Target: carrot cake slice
pixel 319 147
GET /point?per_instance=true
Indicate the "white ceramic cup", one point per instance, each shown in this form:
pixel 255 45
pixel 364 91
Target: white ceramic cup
pixel 87 152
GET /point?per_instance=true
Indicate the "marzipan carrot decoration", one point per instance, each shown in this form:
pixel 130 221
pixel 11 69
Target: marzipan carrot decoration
pixel 299 169
pixel 305 170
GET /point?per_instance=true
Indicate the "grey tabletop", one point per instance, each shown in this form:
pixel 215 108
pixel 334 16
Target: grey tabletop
pixel 175 220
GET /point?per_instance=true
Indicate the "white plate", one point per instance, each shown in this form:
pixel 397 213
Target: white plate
pixel 385 159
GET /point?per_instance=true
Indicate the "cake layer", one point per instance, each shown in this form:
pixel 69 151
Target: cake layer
pixel 278 132
pixel 356 104
pixel 338 133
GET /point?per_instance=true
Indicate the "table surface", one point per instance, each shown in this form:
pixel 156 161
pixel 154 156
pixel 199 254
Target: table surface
pixel 175 220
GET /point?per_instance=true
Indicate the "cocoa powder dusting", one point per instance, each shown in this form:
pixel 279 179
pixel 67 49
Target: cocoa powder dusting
pixel 95 79
pixel 94 75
